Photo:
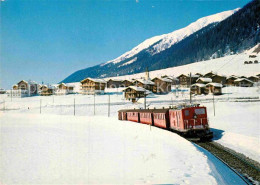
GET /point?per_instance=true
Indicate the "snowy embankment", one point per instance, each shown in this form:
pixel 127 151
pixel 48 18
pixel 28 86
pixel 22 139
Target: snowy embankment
pixel 63 149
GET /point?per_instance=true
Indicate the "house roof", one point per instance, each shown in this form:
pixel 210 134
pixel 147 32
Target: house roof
pixel 215 84
pixel 140 89
pixel 116 80
pixel 166 79
pixel 205 80
pixel 22 81
pixel 243 79
pixel 253 77
pixel 232 76
pixel 95 80
pixel 146 82
pixel 198 84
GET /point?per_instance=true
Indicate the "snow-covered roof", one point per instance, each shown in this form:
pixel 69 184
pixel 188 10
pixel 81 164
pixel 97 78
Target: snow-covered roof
pixel 205 80
pixel 146 82
pixel 243 79
pixel 116 80
pixel 198 84
pixel 253 77
pixel 95 80
pixel 215 84
pixel 232 76
pixel 166 79
pixel 136 88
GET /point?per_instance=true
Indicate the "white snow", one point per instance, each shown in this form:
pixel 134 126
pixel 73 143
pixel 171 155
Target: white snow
pixel 167 40
pixel 129 62
pixel 57 147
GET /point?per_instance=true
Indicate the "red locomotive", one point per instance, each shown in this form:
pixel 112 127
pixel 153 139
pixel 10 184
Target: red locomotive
pixel 190 121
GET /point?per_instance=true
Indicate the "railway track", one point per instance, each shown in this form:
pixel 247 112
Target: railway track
pixel 248 170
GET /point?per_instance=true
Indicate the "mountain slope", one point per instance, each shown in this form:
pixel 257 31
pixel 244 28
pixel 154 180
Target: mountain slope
pixel 201 40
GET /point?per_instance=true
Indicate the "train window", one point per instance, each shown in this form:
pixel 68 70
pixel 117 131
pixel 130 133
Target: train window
pixel 186 112
pixel 200 111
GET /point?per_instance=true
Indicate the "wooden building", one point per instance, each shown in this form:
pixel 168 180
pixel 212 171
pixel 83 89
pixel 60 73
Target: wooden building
pixel 209 75
pixel 23 85
pixel 126 83
pixel 146 84
pixel 253 78
pixel 114 83
pixel 93 86
pixel 175 81
pixel 198 88
pixel 215 88
pixel 187 80
pixel 133 93
pixel 231 80
pixel 162 85
pixel 15 87
pixel 203 80
pixel 29 88
pixel 243 82
pixel 46 91
pixel 218 79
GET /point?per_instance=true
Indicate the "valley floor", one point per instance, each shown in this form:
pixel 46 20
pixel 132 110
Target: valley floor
pixel 58 147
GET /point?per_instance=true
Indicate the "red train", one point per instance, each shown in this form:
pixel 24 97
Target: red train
pixel 190 121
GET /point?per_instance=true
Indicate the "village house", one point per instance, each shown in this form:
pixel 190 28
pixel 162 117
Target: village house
pixel 147 84
pixel 186 80
pixel 93 86
pixel 162 85
pixel 243 82
pixel 175 81
pixel 25 88
pixel 218 79
pixel 114 83
pixel 46 91
pixel 253 78
pixel 214 88
pixel 258 75
pixel 231 80
pixel 202 80
pixel 209 75
pixel 198 88
pixel 199 74
pixel 127 83
pixel 133 93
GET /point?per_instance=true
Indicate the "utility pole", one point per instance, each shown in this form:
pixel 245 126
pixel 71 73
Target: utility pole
pixel 109 105
pixel 190 89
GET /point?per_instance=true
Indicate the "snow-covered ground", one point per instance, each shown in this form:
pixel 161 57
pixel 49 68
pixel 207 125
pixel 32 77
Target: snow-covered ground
pixel 58 147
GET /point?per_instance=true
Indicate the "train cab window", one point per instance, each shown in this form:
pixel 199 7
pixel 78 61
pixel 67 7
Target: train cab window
pixel 200 111
pixel 187 112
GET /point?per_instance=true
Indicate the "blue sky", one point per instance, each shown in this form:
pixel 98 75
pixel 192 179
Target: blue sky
pixel 47 40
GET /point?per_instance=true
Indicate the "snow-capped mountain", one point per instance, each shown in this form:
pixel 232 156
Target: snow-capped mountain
pixel 226 33
pixel 167 40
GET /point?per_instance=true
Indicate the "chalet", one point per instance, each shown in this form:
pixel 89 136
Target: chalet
pixel 162 85
pixel 175 81
pixel 243 82
pixel 23 85
pixel 253 78
pixel 15 87
pixel 230 80
pixel 93 86
pixel 71 89
pixel 133 93
pixel 256 62
pixel 252 56
pixel 215 88
pixel 187 80
pixel 246 62
pixel 202 80
pixel 209 75
pixel 199 74
pixel 198 88
pixel 218 79
pixel 147 84
pixel 114 83
pixel 250 62
pixel 46 91
pixel 126 83
pixel 60 89
pixel 258 75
